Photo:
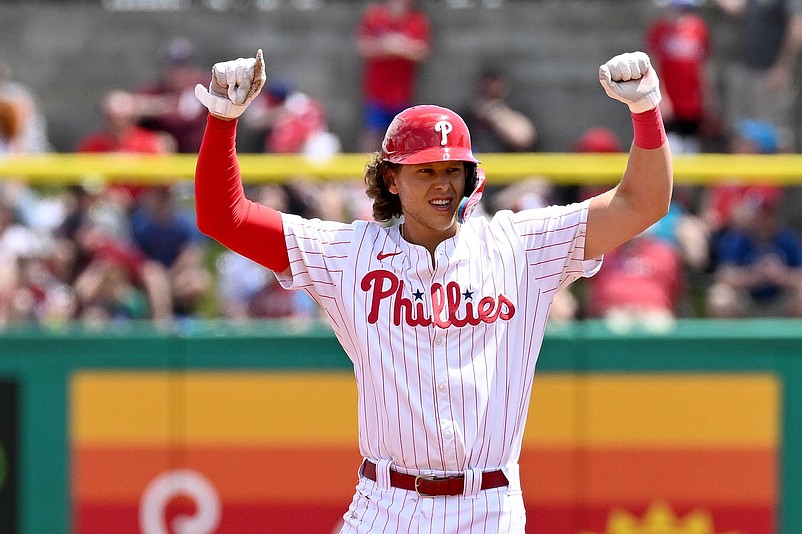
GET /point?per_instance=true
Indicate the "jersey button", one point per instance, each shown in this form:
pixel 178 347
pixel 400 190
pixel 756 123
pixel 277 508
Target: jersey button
pixel 438 341
pixel 441 387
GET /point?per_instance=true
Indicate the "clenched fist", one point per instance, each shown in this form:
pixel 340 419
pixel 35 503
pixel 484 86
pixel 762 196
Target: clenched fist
pixel 631 79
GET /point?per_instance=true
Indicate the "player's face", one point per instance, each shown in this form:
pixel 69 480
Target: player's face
pixel 430 194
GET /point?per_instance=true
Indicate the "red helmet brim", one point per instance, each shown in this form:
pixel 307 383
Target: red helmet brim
pixel 433 154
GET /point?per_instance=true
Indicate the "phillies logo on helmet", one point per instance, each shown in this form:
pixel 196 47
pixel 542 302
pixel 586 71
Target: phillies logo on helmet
pixel 425 134
pixel 444 127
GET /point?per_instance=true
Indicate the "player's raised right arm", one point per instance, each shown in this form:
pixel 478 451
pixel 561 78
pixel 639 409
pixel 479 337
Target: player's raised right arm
pixel 223 212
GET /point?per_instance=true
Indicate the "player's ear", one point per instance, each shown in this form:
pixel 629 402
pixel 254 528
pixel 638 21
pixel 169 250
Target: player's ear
pixel 389 181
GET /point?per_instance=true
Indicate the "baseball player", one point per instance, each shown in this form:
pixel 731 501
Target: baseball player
pixel 442 315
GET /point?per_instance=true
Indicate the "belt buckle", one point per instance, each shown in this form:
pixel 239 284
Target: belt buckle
pixel 418 478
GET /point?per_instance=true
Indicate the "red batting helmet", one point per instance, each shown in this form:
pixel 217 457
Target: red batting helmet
pixel 425 134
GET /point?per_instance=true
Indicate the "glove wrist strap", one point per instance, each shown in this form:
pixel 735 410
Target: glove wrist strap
pixel 221 107
pixel 649 132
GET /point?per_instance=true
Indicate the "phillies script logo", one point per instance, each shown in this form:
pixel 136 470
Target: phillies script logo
pixel 446 303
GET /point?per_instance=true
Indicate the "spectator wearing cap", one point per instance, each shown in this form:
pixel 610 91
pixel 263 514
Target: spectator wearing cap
pixel 119 131
pixel 94 254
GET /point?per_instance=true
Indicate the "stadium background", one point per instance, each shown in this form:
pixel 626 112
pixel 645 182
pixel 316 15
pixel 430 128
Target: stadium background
pixel 694 432
pixel 72 51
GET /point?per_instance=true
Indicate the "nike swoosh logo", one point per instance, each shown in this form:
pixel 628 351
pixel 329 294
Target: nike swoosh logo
pixel 382 255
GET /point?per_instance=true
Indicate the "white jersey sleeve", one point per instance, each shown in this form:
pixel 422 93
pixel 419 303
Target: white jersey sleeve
pixel 324 258
pixel 554 242
pixel 317 251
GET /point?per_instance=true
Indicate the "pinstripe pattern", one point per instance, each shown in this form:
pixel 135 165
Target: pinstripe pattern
pixel 396 511
pixel 444 351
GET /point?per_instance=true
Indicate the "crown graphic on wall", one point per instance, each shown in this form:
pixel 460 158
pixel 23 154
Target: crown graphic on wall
pixel 659 519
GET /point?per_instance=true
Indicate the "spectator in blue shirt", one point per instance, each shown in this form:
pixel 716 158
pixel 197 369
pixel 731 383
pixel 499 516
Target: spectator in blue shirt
pixel 168 235
pixel 759 272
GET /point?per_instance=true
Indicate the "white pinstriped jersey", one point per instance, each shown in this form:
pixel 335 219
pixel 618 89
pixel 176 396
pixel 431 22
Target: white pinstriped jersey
pixel 444 350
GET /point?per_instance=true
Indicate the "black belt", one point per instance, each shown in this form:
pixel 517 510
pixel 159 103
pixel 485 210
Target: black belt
pixel 432 486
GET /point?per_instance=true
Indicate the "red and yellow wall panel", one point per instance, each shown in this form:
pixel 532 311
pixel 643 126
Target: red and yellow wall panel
pixel 277 452
pixel 702 445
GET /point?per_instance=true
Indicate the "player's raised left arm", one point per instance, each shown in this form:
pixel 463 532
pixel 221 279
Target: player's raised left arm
pixel 644 193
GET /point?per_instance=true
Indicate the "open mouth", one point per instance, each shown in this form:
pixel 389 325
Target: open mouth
pixel 441 203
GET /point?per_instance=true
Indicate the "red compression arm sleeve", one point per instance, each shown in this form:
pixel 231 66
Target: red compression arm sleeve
pixel 223 212
pixel 649 130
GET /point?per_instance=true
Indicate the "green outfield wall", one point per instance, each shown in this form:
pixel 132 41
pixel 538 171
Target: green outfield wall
pixel 703 421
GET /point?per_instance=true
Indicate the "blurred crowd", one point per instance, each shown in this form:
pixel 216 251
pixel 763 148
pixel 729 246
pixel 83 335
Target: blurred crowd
pixel 106 253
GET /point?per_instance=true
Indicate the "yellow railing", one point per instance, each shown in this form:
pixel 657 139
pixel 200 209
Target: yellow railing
pixel 561 168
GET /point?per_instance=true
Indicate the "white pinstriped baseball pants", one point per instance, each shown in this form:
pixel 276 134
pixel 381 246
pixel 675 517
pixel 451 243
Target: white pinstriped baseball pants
pixel 388 510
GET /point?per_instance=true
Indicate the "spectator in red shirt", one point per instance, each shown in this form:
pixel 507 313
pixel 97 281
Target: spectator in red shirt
pixel 678 42
pixel 641 282
pixel 291 122
pixel 393 37
pixel 120 133
pixel 168 104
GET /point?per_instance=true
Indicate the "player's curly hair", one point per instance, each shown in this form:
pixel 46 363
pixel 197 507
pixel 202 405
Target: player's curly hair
pixel 386 205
